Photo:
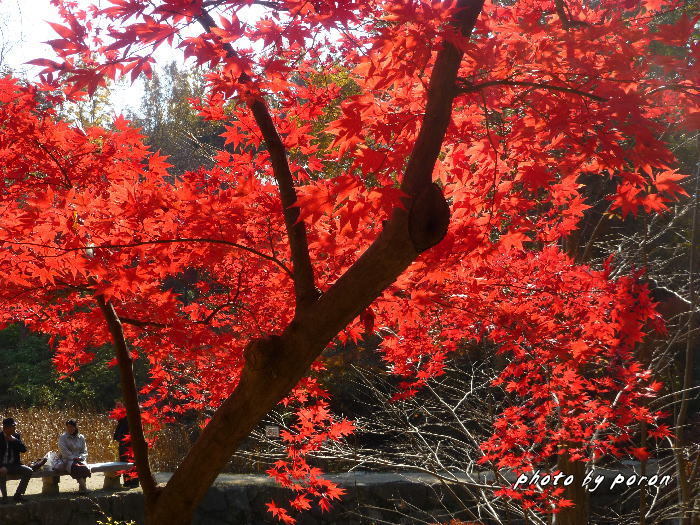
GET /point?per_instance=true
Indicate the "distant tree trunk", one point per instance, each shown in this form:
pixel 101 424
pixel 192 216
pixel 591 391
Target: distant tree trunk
pixel 575 492
pixel 686 470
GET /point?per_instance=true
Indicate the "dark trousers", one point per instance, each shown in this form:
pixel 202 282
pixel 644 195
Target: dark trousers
pixel 23 471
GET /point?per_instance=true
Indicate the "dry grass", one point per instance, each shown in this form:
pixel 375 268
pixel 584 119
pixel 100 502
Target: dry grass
pixel 41 427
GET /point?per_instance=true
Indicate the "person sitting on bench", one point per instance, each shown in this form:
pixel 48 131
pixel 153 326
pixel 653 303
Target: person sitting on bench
pixel 11 447
pixel 73 453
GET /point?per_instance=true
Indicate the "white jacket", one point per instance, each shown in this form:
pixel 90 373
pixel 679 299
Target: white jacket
pixel 72 447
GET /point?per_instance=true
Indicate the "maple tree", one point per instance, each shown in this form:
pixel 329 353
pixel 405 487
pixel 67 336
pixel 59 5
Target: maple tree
pixel 455 141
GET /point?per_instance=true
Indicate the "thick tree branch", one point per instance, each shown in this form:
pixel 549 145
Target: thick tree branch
pixel 561 13
pixel 131 403
pixel 467 87
pixel 275 364
pixel 565 17
pixel 442 89
pixel 304 284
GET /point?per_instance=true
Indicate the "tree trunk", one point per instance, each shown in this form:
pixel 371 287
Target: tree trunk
pixel 686 473
pixel 576 492
pixel 131 403
pixel 275 364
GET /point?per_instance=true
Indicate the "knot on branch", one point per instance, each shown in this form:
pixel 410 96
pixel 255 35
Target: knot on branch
pixel 428 218
pixel 264 354
pixel 311 296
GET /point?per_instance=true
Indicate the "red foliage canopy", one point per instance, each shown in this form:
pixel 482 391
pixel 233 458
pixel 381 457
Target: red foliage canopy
pixel 323 102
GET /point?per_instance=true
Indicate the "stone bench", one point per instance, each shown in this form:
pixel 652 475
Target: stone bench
pixel 111 470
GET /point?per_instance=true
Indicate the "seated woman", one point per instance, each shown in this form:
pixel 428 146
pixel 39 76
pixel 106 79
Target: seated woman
pixel 73 454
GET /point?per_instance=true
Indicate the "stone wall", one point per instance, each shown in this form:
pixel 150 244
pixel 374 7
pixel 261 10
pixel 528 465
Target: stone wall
pixel 83 510
pixel 239 499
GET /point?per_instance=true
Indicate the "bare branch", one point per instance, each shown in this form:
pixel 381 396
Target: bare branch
pixel 141 324
pixel 468 87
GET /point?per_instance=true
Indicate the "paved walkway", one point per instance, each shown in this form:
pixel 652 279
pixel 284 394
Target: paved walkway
pixel 68 487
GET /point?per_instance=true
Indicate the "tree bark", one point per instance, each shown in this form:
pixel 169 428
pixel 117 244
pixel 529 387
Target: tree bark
pixel 576 492
pixel 131 403
pixel 686 474
pixel 303 273
pixel 275 364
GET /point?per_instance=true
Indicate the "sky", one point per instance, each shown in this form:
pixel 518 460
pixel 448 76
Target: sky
pixel 24 28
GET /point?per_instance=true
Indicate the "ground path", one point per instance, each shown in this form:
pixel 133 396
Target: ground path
pixel 67 486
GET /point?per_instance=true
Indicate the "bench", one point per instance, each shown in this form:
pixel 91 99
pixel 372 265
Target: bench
pixel 111 470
